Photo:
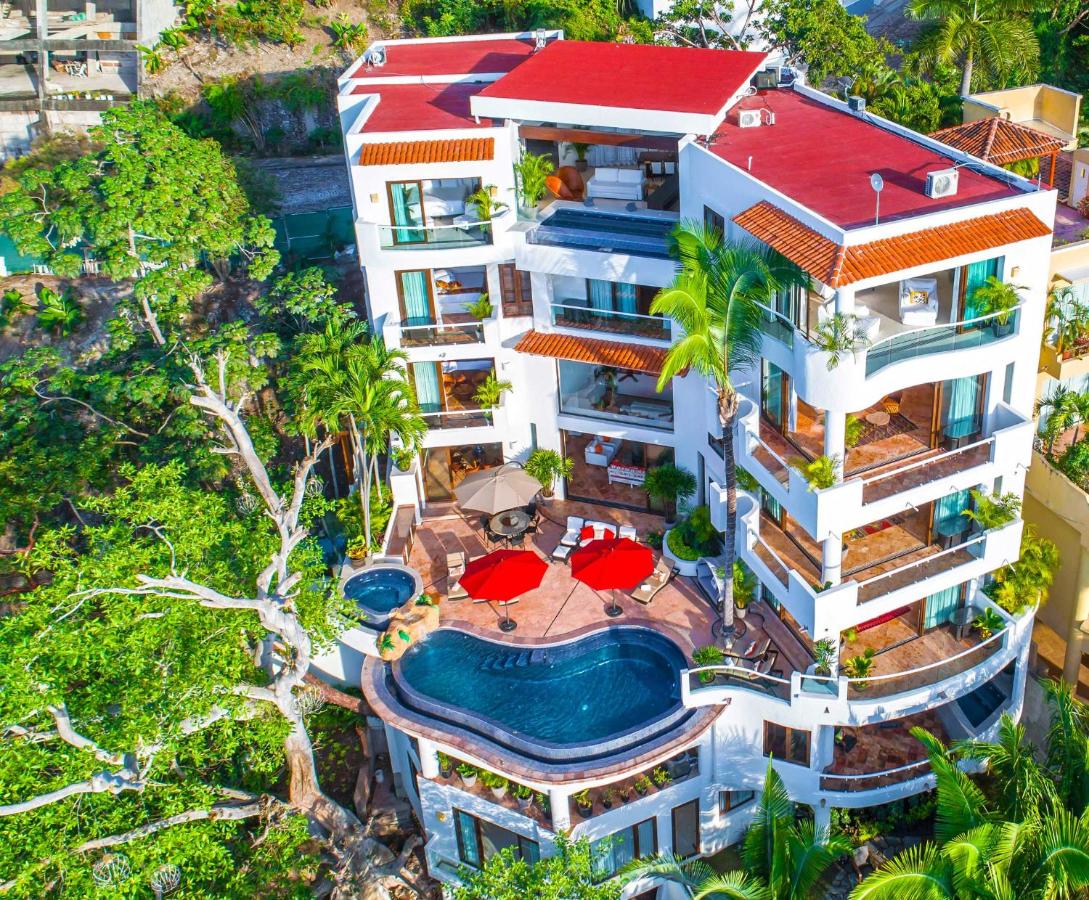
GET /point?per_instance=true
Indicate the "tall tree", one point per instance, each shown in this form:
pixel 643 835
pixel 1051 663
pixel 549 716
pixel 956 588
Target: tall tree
pixel 784 859
pixel 150 203
pixel 995 35
pixel 716 299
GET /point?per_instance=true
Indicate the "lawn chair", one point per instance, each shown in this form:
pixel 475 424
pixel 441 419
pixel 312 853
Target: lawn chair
pixel 571 536
pixel 628 531
pixel 561 552
pixel 455 568
pixel 658 580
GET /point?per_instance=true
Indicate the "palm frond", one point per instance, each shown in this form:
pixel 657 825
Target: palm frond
pixel 734 886
pixel 667 867
pixel 762 850
pixel 810 853
pixel 961 803
pixel 918 873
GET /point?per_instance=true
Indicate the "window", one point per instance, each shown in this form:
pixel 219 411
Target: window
pixel 479 841
pixel 731 800
pixel 788 744
pixel 686 830
pixel 713 221
pixel 1007 386
pixel 610 854
pixel 515 290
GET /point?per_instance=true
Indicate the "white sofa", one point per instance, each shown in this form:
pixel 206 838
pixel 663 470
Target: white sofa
pixel 602 457
pixel 616 184
pixel 444 197
pixel 916 314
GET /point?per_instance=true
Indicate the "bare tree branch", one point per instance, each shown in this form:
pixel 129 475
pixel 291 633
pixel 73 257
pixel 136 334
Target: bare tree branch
pixel 69 735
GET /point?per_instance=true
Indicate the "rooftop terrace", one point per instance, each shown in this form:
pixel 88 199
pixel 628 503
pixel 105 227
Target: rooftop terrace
pixel 457 57
pixel 422 107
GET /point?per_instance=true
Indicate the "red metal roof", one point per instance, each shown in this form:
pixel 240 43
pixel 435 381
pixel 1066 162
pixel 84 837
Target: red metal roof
pixel 822 158
pixel 594 351
pixel 422 107
pixel 448 58
pixel 999 140
pixel 400 153
pixel 836 265
pixel 629 76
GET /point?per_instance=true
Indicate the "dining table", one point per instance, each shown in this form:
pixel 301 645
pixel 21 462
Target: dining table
pixel 509 523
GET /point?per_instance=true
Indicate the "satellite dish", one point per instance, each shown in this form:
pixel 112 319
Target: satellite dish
pixel 877 182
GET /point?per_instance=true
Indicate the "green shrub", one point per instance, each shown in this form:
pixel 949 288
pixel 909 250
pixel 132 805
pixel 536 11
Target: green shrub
pixel 1074 463
pixel 60 313
pixel 695 536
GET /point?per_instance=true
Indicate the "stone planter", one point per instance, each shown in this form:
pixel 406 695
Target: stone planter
pixel 684 566
pixel 469 780
pixel 740 611
pixel 524 803
pixel 499 792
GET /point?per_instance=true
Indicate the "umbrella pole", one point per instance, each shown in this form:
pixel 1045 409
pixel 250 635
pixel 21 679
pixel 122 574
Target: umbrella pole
pixel 508 624
pixel 613 610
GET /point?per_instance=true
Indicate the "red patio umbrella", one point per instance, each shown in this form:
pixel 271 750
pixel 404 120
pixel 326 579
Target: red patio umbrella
pixel 503 575
pixel 616 564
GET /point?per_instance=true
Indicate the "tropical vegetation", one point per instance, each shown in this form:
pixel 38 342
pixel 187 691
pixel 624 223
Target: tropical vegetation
pixel 567 874
pixel 548 465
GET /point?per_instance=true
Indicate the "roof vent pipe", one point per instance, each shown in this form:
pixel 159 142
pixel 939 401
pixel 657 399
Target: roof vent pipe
pixel 857 104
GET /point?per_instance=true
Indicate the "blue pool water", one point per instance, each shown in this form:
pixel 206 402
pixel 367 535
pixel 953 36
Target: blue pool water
pixel 981 703
pixel 379 590
pixel 606 232
pixel 600 687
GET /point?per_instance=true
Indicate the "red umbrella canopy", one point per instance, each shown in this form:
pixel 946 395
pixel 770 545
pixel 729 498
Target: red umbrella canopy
pixel 503 575
pixel 612 564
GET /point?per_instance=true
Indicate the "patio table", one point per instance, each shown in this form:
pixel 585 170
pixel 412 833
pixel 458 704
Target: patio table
pixel 510 523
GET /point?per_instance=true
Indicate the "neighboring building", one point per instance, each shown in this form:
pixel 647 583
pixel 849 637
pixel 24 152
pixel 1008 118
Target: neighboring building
pixel 63 62
pixel 938 404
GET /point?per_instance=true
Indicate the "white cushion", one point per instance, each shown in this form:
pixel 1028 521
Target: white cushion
pixel 630 176
pixel 606 174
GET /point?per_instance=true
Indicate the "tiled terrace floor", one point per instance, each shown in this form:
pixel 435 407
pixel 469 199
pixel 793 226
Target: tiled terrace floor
pixel 561 605
pixel 878 748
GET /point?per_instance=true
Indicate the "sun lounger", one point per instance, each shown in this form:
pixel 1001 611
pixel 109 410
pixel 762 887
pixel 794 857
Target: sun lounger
pixel 658 580
pixel 455 568
pixel 571 536
pixel 628 531
pixel 562 551
pixel 752 650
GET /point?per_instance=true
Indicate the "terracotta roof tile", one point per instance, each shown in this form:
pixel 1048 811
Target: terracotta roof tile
pixel 836 265
pixel 400 153
pixel 999 141
pixel 591 350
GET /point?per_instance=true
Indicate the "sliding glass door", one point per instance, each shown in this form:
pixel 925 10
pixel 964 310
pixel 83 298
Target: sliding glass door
pixel 406 212
pixel 973 276
pixel 774 395
pixel 962 410
pixel 417 303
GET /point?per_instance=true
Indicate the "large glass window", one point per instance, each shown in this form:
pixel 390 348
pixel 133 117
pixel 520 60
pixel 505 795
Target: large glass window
pixel 686 830
pixel 962 409
pixel 417 304
pixel 774 394
pixel 622 395
pixel 444 468
pixel 610 854
pixel 731 800
pixel 787 744
pixel 479 840
pixel 612 306
pixel 406 212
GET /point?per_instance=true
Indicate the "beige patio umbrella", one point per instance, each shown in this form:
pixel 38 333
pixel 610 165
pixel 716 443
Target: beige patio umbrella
pixel 495 490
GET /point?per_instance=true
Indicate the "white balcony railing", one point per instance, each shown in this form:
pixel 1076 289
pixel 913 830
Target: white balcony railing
pixel 568 314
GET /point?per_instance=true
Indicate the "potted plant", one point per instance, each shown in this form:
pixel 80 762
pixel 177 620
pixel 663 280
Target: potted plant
pixel 643 785
pixel 523 796
pixel 481 308
pixel 669 484
pixel 853 431
pixel 987 623
pixel 860 666
pixel 446 765
pixel 580 155
pixel 468 774
pixel 709 655
pixel 495 782
pixel 625 794
pixel 357 551
pixel 608 797
pixel 403 458
pixel 824 655
pixel 992 511
pixel 744 588
pixel 661 777
pixel 546 466
pixel 838 335
pixel 532 170
pixel 996 297
pixel 819 473
pixel 483 199
pixel 848 635
pixel 490 391
pixel 584 804
pixel 654 540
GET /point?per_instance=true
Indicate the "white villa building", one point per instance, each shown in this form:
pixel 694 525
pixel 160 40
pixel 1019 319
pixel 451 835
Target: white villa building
pixel 935 402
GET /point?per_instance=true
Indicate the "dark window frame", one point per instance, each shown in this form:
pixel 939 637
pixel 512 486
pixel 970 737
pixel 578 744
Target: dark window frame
pixel 727 803
pixel 673 823
pixel 788 735
pixel 520 844
pixel 636 848
pixel 714 221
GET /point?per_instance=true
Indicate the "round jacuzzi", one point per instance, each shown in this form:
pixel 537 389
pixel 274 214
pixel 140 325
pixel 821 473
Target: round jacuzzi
pixel 378 590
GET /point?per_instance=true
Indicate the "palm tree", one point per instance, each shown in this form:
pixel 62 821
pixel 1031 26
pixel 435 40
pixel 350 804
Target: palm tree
pixel 997 35
pixel 361 384
pixel 783 859
pixel 716 299
pixel 1060 412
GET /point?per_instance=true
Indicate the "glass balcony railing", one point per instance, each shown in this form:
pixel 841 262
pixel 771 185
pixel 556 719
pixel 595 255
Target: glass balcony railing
pixel 941 339
pixel 468 233
pixel 569 315
pixel 777 326
pixel 434 334
pixel 459 418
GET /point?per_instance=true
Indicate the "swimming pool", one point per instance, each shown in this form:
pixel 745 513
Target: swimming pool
pixel 379 590
pixel 980 704
pixel 641 235
pixel 579 699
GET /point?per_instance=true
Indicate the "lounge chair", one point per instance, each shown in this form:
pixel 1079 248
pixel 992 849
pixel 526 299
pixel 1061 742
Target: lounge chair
pixel 455 568
pixel 561 552
pixel 628 531
pixel 571 536
pixel 658 580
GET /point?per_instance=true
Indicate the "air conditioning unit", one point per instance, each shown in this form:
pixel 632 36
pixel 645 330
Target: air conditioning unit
pixel 767 80
pixel 749 118
pixel 376 56
pixel 942 183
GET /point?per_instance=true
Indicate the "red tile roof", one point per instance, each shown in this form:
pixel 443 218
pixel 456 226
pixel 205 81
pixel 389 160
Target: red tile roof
pixel 836 265
pixel 448 58
pixel 400 153
pixel 999 141
pixel 593 351
pixel 422 107
pixel 629 76
pixel 822 158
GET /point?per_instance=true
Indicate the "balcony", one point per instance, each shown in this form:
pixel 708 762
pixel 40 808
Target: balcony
pixel 448 392
pixel 446 334
pixel 577 315
pixel 434 237
pixel 618 794
pixel 967 335
pixel 879 756
pixel 617 395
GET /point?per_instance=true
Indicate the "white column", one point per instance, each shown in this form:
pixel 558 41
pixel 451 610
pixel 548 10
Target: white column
pixel 429 758
pixel 558 801
pixel 845 300
pixel 822 816
pixel 832 558
pixel 835 436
